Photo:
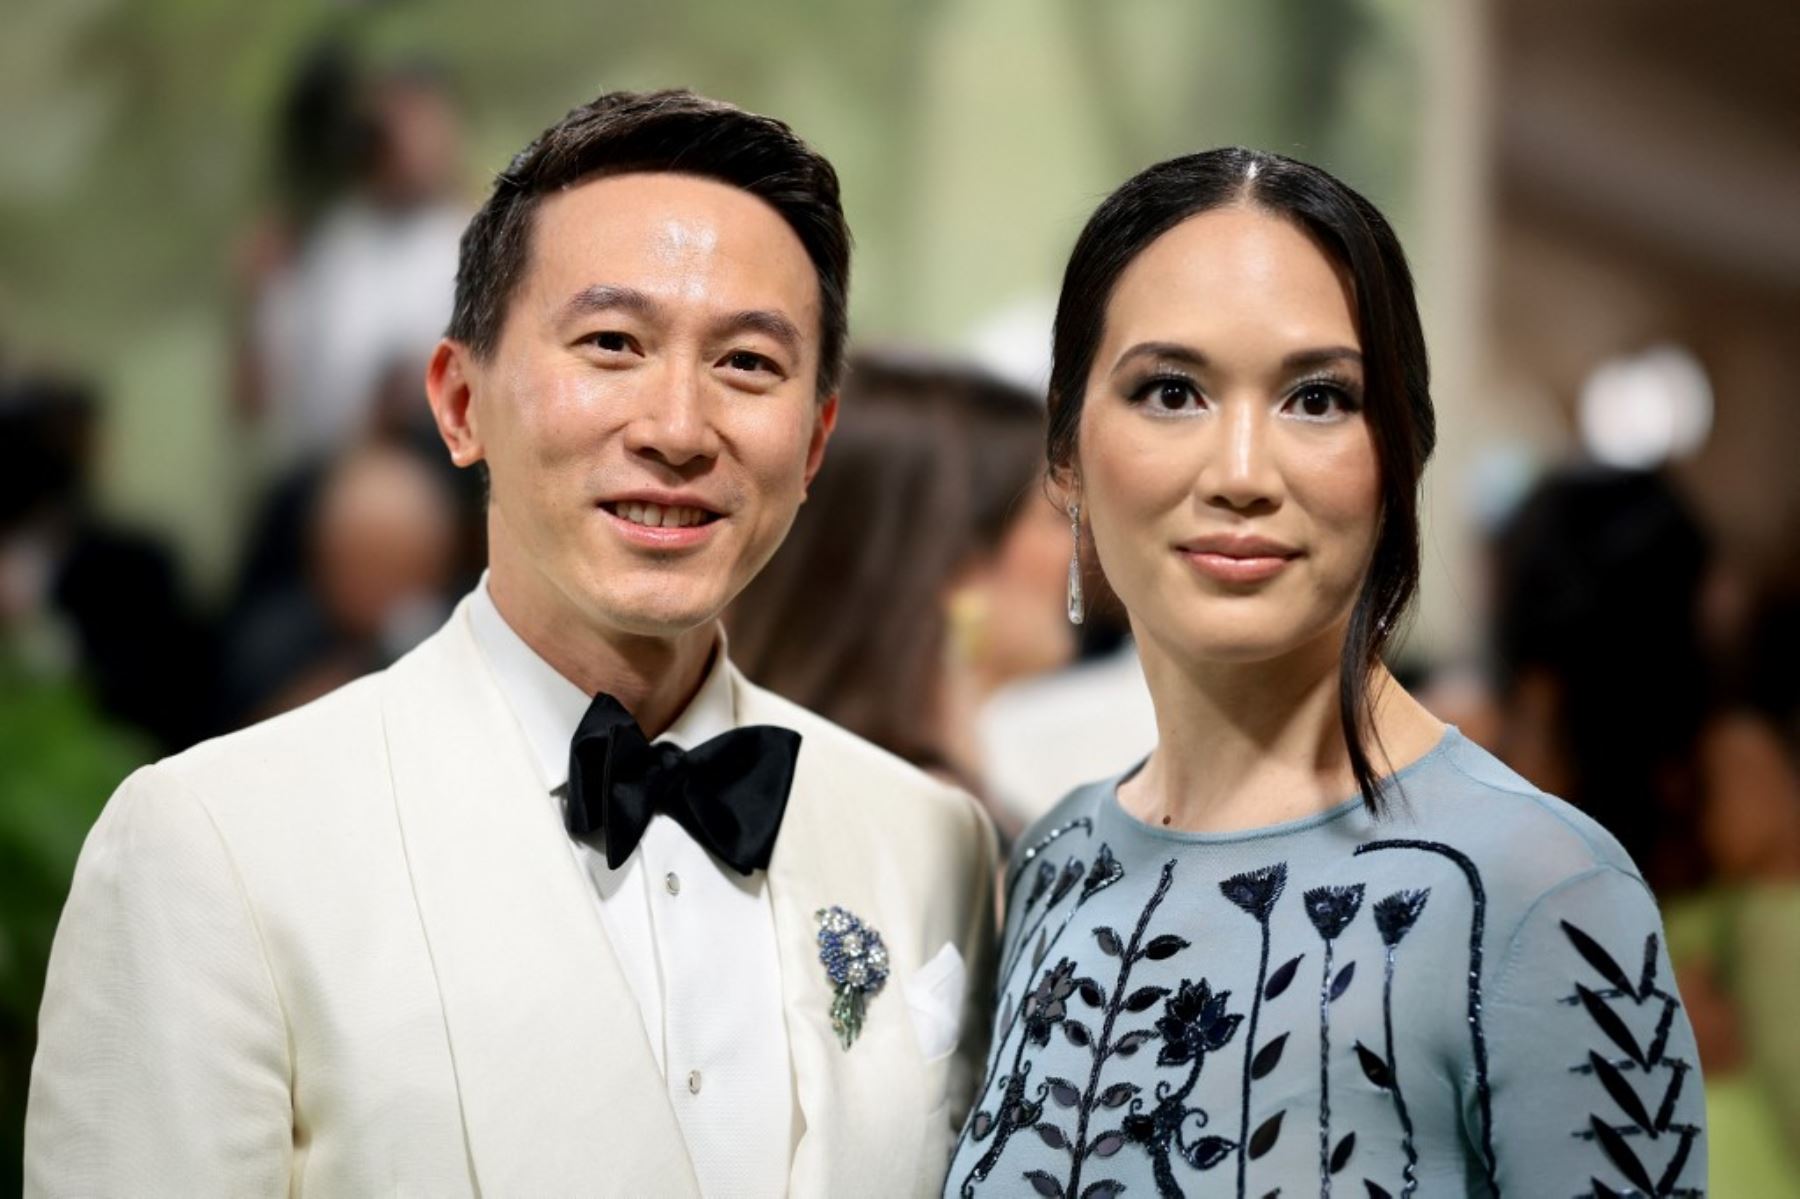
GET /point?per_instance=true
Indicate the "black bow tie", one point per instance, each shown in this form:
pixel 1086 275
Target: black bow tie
pixel 728 793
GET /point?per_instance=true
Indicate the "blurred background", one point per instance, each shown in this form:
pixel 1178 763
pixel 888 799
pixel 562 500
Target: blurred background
pixel 227 242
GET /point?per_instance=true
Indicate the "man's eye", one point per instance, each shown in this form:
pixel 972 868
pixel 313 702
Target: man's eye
pixel 611 342
pixel 745 360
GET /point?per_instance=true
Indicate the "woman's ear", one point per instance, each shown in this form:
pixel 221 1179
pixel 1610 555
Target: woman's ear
pixel 1062 484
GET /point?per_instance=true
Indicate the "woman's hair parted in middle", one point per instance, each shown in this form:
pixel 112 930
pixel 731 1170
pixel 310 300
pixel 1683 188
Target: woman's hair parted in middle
pixel 1355 237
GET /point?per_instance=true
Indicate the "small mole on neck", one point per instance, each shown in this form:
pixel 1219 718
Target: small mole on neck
pixel 1168 820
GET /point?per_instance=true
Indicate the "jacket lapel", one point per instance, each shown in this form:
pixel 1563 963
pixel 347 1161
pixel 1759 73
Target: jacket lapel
pixel 863 1108
pixel 559 1090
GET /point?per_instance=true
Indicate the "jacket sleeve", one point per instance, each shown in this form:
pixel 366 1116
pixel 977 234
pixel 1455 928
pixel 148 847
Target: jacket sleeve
pixel 977 947
pixel 1592 1078
pixel 162 1064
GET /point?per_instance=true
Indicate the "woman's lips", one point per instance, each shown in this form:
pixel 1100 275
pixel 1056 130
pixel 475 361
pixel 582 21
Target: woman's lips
pixel 1236 567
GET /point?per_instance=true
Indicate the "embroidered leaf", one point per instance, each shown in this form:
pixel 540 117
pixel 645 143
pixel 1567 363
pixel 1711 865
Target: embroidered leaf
pixel 1263 1139
pixel 1267 1056
pixel 1207 1152
pixel 1666 1112
pixel 1006 1013
pixel 1340 1157
pixel 1598 958
pixel 1118 1093
pixel 1621 1091
pixel 1090 992
pixel 1283 976
pixel 1620 1154
pixel 1109 941
pixel 1341 983
pixel 1052 1136
pixel 1666 1184
pixel 1077 1032
pixel 1043 1184
pixel 1660 1041
pixel 1043 947
pixel 1611 1025
pixel 1106 1188
pixel 983 1124
pixel 1165 946
pixel 1647 982
pixel 1107 1144
pixel 1376 1192
pixel 1144 997
pixel 1064 1092
pixel 1374 1067
pixel 1131 1042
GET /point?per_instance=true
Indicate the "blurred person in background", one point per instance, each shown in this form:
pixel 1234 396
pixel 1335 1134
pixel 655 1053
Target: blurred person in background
pixel 1240 409
pixel 108 599
pixel 1611 695
pixel 540 909
pixel 358 274
pixel 380 555
pixel 928 522
pixel 71 726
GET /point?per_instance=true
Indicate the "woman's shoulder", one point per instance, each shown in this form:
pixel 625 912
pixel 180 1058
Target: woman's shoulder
pixel 1520 840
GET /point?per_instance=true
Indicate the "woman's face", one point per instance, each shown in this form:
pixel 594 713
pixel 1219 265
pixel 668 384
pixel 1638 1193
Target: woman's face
pixel 1224 460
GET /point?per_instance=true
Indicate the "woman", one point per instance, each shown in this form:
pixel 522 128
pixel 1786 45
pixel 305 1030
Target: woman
pixel 1219 975
pixel 925 570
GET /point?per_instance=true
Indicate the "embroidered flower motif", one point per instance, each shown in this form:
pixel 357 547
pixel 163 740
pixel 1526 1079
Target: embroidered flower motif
pixel 1194 1022
pixel 856 962
pixel 1331 909
pixel 1102 874
pixel 1256 891
pixel 1395 915
pixel 1047 1003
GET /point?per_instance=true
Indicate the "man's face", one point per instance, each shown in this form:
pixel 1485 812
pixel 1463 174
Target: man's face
pixel 649 416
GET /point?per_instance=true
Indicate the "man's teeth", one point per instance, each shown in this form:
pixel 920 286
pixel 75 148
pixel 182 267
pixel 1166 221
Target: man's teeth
pixel 656 516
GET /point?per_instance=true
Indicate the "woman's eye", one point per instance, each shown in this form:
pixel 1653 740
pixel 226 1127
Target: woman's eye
pixel 1167 394
pixel 1318 401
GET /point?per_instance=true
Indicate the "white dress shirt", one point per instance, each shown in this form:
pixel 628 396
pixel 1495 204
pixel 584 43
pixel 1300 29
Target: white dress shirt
pixel 695 939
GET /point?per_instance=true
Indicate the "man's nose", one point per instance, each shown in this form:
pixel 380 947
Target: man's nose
pixel 675 424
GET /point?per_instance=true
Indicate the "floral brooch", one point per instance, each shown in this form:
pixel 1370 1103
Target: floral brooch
pixel 856 962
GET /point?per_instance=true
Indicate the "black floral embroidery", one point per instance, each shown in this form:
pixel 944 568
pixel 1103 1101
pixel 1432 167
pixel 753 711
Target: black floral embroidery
pixel 1195 1022
pixel 1639 1059
pixel 1484 1099
pixel 1331 909
pixel 1257 892
pixel 1394 918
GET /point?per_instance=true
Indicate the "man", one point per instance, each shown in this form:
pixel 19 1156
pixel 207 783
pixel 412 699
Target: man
pixel 413 939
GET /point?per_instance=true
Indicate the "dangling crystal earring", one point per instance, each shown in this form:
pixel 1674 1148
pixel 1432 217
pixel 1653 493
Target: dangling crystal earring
pixel 1077 605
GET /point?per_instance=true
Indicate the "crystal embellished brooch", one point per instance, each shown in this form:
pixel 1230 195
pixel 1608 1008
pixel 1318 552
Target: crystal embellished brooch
pixel 856 962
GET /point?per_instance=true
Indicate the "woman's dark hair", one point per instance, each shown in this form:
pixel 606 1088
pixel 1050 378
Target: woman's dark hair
pixel 1397 399
pixel 925 470
pixel 673 131
pixel 1597 583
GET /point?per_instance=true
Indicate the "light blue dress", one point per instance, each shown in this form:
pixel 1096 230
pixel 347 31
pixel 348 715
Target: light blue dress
pixel 1467 996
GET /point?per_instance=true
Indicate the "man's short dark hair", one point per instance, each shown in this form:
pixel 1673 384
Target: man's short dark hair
pixel 673 131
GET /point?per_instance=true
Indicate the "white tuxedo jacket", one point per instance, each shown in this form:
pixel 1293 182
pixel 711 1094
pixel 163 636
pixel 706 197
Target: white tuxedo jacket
pixel 348 952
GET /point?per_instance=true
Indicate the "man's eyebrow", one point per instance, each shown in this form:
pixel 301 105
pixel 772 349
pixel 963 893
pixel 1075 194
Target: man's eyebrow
pixel 765 321
pixel 608 297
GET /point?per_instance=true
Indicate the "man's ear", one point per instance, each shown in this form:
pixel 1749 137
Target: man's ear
pixel 449 385
pixel 824 421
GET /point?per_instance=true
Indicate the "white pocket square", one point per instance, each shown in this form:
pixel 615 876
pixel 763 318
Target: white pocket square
pixel 934 997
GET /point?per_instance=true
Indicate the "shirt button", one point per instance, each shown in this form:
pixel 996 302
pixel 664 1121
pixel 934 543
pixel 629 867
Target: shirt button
pixel 672 881
pixel 693 1082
